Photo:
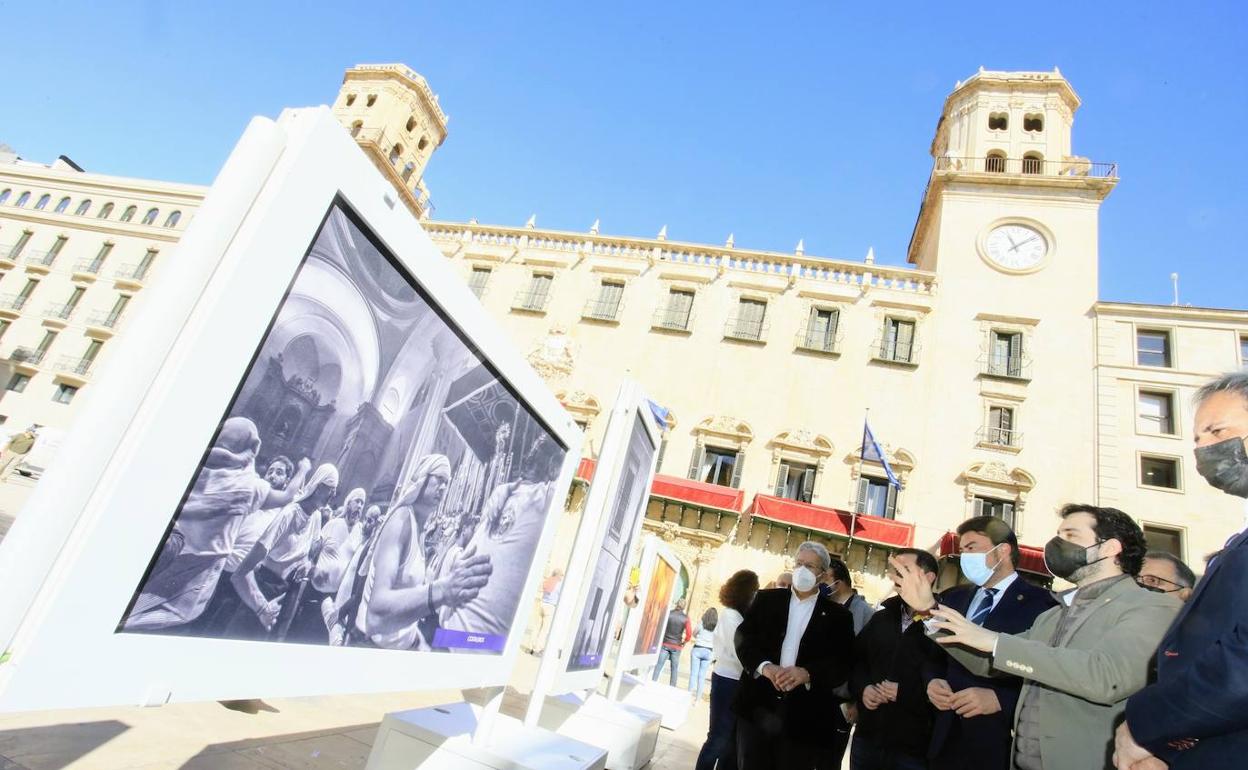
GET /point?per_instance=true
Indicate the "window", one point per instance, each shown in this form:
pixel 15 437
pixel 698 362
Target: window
pixel 1152 348
pixel 998 121
pixel 64 393
pixel 995 162
pixel 371 100
pixel 48 338
pixel 105 212
pixel 1001 426
pixel 4 327
pixel 1033 163
pixel 83 208
pixel 898 341
pixel 411 123
pixel 876 497
pixel 748 325
pixel 820 332
pixel 62 206
pixel 150 216
pixel 1006 357
pixel 1164 539
pixel 93 350
pixel 145 264
pixel 536 296
pixel 478 280
pixel 22 240
pixel 350 99
pixel 74 298
pixel 173 219
pixel 989 506
pixel 1243 350
pixel 95 264
pixel 423 143
pixel 118 307
pixel 395 152
pixel 607 305
pixel 129 213
pixel 26 291
pixel 22 199
pixel 43 202
pixel 55 250
pixel 356 126
pixel 676 311
pixel 4 196
pixel 719 466
pixel 408 168
pixel 1156 412
pixel 796 481
pixel 1159 472
pixel 18 382
pixel 1033 123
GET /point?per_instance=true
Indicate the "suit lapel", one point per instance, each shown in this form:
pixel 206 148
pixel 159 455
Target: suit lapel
pixel 1111 593
pixel 1235 542
pixel 1008 599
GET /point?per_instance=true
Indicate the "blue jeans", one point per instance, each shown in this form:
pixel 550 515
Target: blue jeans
pixel 666 655
pixel 721 733
pixel 865 756
pixel 699 662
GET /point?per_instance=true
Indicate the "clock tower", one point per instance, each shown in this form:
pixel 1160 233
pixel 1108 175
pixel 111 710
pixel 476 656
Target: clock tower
pixel 1009 225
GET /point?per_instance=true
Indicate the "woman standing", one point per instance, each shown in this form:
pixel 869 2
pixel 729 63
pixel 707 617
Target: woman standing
pixel 721 736
pixel 700 656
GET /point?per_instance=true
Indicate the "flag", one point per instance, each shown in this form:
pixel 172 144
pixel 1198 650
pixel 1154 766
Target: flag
pixel 660 414
pixel 871 453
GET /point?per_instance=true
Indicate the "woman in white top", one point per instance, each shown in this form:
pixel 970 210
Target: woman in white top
pixel 700 655
pixel 721 735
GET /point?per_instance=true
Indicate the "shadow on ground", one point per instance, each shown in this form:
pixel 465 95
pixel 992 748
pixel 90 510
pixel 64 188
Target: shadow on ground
pixel 54 746
pixel 338 747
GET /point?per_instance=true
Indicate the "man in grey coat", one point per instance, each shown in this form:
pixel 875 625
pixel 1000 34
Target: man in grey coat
pixel 1081 659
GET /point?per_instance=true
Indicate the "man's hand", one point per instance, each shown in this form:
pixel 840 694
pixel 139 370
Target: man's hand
pixel 915 591
pixel 888 689
pixel 468 576
pixel 940 694
pixel 962 631
pixel 1129 755
pixel 771 672
pixel 872 698
pixel 303 466
pixel 268 612
pixel 791 678
pixel 975 702
pixel 851 713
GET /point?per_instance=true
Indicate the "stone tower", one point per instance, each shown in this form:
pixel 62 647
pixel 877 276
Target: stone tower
pixel 395 117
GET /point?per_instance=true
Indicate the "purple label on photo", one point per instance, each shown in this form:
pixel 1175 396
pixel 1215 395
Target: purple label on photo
pixel 589 661
pixel 466 640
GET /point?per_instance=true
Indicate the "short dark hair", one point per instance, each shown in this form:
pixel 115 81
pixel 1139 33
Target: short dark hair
pixel 710 619
pixel 925 560
pixel 737 592
pixel 284 460
pixel 996 530
pixel 1187 578
pixel 840 571
pixel 1113 524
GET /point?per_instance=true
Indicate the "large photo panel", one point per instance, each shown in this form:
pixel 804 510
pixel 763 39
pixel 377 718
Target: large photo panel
pixel 373 483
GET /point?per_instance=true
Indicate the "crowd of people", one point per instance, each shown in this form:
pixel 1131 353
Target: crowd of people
pixel 1138 666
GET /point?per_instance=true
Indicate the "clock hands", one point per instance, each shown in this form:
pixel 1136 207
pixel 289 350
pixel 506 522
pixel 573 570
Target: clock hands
pixel 1015 246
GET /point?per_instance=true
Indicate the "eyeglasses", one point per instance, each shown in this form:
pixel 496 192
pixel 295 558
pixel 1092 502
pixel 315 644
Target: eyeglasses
pixel 1158 584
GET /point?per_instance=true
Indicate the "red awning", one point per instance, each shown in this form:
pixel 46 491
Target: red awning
pixel 699 493
pixel 872 529
pixel 1030 558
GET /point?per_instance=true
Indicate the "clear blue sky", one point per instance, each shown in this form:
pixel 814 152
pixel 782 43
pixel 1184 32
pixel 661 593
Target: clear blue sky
pixel 771 121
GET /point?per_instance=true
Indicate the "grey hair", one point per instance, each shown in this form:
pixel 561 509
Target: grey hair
pixel 1231 382
pixel 1184 573
pixel 818 550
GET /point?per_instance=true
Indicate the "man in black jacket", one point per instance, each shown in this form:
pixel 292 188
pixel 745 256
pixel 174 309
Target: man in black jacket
pixel 795 648
pixel 894 715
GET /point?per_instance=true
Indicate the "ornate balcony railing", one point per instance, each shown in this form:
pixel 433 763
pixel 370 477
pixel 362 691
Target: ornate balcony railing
pixel 531 300
pixel 746 329
pixel 133 272
pixel 40 258
pixel 602 310
pixel 896 352
pixel 1012 367
pixel 818 341
pixel 59 312
pixel 32 356
pixel 13 302
pixel 1002 437
pixel 675 320
pixel 995 164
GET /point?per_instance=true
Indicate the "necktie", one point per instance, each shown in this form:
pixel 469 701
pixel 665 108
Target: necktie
pixel 985 606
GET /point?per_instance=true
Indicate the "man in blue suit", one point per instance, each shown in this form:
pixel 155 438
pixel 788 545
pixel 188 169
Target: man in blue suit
pixel 1196 713
pixel 975 714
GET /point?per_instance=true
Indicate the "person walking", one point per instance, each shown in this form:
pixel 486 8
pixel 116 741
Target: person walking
pixel 720 749
pixel 675 636
pixel 700 656
pixel 18 447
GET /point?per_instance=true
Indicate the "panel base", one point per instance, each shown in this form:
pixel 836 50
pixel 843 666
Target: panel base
pixel 671 703
pixel 629 734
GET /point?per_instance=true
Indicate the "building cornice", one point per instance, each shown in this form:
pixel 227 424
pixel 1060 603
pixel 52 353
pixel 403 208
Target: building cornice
pixel 172 192
pixel 1171 312
pixel 408 77
pixel 69 222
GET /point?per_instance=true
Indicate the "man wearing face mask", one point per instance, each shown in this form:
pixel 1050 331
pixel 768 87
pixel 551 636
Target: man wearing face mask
pixel 795 648
pixel 1166 573
pixel 1196 714
pixel 1081 659
pixel 975 714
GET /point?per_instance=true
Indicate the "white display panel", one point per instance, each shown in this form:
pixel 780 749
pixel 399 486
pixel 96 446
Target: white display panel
pixel 643 631
pixel 321 321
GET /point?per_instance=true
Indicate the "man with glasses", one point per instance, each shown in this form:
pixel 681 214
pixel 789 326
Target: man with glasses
pixel 1166 573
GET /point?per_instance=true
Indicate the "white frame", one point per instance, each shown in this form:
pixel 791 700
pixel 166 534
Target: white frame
pixel 652 550
pixel 73 560
pixel 631 405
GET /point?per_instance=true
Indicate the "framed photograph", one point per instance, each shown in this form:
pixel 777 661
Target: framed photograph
pixel 643 629
pixel 586 618
pixel 341 466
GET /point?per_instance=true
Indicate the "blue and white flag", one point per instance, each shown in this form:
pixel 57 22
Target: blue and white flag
pixel 659 413
pixel 871 452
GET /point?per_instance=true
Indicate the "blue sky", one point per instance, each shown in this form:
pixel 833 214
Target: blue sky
pixel 774 123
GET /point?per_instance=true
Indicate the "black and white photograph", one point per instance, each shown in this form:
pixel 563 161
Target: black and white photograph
pixel 631 496
pixel 373 483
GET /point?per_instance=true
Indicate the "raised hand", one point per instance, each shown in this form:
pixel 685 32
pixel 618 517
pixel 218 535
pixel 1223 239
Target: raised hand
pixel 914 590
pixel 961 631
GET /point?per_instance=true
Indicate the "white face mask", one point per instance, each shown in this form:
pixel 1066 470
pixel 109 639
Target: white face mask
pixel 804 580
pixel 975 566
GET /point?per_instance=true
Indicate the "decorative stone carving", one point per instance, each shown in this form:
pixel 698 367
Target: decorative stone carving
pixel 730 427
pixel 554 357
pixel 804 440
pixel 581 404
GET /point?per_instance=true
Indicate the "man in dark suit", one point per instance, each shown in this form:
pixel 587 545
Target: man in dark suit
pixel 795 648
pixel 1196 713
pixel 972 730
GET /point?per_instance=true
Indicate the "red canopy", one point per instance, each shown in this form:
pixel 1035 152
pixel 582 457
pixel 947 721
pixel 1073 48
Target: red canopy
pixel 698 493
pixel 1030 558
pixel 872 529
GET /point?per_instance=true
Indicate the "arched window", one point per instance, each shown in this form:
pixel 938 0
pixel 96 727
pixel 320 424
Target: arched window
pixel 129 213
pixel 356 126
pixel 1033 123
pixel 22 199
pixel 43 202
pixel 83 208
pixel 995 162
pixel 998 121
pixel 371 100
pixel 350 99
pixel 105 212
pixel 4 196
pixel 63 205
pixel 423 143
pixel 407 170
pixel 172 219
pixel 411 123
pixel 1033 163
pixel 395 152
pixel 150 216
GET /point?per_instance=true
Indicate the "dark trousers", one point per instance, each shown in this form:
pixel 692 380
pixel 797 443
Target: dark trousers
pixel 832 757
pixel 245 624
pixel 865 755
pixel 721 734
pixel 759 749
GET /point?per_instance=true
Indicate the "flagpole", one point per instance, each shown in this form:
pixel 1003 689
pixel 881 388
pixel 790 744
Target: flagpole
pixel 853 509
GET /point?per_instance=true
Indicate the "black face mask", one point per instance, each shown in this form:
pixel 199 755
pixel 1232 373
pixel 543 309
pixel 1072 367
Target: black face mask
pixel 1225 466
pixel 1064 558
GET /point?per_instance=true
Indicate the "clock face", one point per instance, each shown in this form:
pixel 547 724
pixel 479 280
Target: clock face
pixel 1016 247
